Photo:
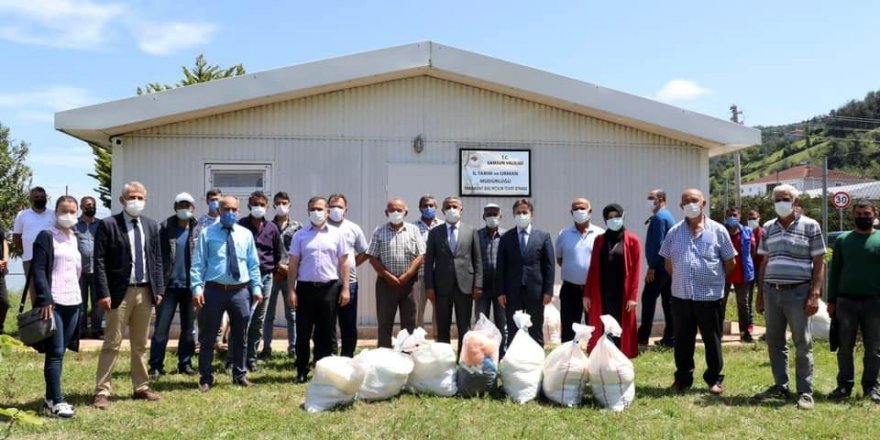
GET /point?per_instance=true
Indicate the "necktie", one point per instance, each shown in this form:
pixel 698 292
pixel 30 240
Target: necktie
pixel 453 240
pixel 231 257
pixel 138 251
pixel 522 242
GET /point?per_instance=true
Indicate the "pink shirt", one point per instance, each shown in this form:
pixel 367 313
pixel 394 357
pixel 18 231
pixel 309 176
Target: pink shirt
pixel 67 269
pixel 319 252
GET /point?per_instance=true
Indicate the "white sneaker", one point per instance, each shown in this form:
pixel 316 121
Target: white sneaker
pixel 63 410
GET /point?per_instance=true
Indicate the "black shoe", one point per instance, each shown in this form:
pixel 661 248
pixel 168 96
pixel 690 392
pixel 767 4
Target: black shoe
pixel 747 338
pixel 252 366
pixel 243 382
pixel 301 378
pixel 679 388
pixel 874 395
pixel 187 370
pixel 774 392
pixel 228 367
pixel 664 344
pixel 264 355
pixel 839 394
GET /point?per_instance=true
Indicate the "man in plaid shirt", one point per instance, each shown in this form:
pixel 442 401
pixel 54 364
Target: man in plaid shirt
pixel 396 253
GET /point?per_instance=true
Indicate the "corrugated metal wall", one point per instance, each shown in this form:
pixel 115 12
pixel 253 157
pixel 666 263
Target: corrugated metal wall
pixel 344 141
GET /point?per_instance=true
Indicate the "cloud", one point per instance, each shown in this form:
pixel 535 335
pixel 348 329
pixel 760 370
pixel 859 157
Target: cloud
pixel 167 38
pixel 40 105
pixel 681 90
pixel 86 24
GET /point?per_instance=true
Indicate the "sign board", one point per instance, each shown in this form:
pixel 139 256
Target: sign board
pixel 841 200
pixel 490 172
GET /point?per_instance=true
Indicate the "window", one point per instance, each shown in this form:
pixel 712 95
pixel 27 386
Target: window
pixel 238 179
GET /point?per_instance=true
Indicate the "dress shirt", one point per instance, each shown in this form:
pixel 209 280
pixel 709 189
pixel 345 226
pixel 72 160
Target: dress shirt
pixel 698 271
pixel 268 242
pixel 319 251
pixel 576 251
pixel 397 249
pixel 209 259
pixel 66 269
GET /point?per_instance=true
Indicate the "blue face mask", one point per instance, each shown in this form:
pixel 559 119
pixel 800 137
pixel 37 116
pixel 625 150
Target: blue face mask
pixel 429 212
pixel 228 218
pixel 731 222
pixel 213 205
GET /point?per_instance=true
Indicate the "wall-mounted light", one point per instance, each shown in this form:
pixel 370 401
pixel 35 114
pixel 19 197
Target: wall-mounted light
pixel 419 144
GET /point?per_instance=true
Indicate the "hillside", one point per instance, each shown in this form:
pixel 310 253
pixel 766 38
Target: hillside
pixel 849 136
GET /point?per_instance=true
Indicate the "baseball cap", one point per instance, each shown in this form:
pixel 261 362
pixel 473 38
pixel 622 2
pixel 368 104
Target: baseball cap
pixel 184 197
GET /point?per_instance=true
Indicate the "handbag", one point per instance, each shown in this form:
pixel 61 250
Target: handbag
pixel 32 327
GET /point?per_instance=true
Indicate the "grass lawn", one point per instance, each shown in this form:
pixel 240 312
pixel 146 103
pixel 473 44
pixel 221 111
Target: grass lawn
pixel 272 408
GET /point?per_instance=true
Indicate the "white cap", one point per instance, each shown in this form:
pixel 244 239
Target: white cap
pixel 491 206
pixel 184 197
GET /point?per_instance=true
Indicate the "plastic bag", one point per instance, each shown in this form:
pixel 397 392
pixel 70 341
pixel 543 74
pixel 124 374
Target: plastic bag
pixel 337 380
pixel 820 323
pixel 612 375
pixel 523 364
pixel 433 370
pixel 478 360
pixel 386 372
pixel 567 369
pixel 408 343
pixel 552 325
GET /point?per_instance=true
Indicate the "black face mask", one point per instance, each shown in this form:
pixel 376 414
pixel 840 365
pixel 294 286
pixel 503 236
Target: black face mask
pixel 864 223
pixel 40 204
pixel 89 212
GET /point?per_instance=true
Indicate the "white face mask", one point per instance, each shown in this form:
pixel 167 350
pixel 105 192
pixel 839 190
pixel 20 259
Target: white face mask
pixel 754 224
pixel 783 209
pixel 523 220
pixel 614 224
pixel 258 211
pixel 492 222
pixel 282 209
pixel 580 216
pixel 395 217
pixel 452 215
pixel 317 217
pixel 337 214
pixel 135 207
pixel 692 210
pixel 651 205
pixel 66 221
pixel 184 214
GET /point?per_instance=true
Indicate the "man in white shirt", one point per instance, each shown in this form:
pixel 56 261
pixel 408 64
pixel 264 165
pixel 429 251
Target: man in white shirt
pixel 574 251
pixel 29 223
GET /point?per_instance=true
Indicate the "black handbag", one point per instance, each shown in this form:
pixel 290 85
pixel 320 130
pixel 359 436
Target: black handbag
pixel 32 328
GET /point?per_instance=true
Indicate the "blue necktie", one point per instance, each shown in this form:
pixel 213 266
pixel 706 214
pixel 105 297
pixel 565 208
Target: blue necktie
pixel 231 257
pixel 522 242
pixel 138 252
pixel 453 240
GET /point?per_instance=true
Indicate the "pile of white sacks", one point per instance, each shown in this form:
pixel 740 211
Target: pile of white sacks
pixel 420 366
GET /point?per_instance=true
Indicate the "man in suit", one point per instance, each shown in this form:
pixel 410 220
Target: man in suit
pixel 128 267
pixel 453 271
pixel 524 271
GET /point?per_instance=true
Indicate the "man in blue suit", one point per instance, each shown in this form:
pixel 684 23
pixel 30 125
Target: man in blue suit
pixel 524 271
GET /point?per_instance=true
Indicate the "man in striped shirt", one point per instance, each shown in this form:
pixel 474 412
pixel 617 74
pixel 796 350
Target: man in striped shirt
pixel 791 279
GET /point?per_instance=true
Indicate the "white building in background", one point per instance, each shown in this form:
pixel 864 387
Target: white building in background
pixel 802 177
pixel 394 122
pixel 867 190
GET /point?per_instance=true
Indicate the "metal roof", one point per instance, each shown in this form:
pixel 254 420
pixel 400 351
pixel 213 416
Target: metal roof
pixel 97 123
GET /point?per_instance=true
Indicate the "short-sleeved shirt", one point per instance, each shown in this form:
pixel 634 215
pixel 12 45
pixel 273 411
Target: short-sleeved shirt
pixel 698 271
pixel 86 240
pixel 575 249
pixel 319 251
pixel 66 269
pixel 355 243
pixel 29 223
pixel 397 249
pixel 790 251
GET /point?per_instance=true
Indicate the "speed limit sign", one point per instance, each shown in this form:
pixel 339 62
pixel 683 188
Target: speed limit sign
pixel 841 200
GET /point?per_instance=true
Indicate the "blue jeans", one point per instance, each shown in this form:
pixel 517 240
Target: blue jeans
pixel 785 309
pixel 255 326
pixel 236 303
pixel 851 315
pixel 174 297
pixel 66 326
pixel 279 292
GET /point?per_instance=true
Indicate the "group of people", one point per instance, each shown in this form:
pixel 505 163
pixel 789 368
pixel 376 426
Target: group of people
pixel 223 265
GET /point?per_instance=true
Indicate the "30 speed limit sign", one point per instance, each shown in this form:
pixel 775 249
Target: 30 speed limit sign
pixel 841 200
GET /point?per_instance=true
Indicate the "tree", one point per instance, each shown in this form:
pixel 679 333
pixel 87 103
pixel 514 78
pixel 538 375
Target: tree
pixel 199 73
pixel 15 178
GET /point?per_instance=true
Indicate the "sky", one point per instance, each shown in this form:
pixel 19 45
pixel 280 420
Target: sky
pixel 779 61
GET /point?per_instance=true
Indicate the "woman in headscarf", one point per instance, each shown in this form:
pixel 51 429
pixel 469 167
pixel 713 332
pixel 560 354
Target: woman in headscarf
pixel 612 284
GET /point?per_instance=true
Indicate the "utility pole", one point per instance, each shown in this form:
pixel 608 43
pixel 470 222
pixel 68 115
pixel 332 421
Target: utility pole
pixel 735 113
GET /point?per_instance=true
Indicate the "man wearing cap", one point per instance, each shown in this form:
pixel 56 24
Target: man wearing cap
pixel 176 244
pixel 490 236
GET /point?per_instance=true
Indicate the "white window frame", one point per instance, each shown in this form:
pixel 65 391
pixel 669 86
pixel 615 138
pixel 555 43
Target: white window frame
pixel 266 168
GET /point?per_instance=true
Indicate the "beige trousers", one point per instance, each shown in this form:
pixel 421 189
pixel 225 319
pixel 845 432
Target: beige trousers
pixel 133 313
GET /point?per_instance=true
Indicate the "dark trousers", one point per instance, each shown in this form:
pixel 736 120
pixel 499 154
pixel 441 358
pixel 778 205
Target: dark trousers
pixel 463 304
pixel 237 304
pixel 852 315
pixel 743 294
pixel 487 303
pixel 4 303
pixel 689 316
pixel 87 285
pixel 347 317
pixel 66 326
pixel 661 287
pixel 315 311
pixel 388 301
pixel 534 307
pixel 571 303
pixel 175 297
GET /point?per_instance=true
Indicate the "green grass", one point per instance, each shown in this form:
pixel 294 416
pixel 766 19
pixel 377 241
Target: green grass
pixel 272 408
